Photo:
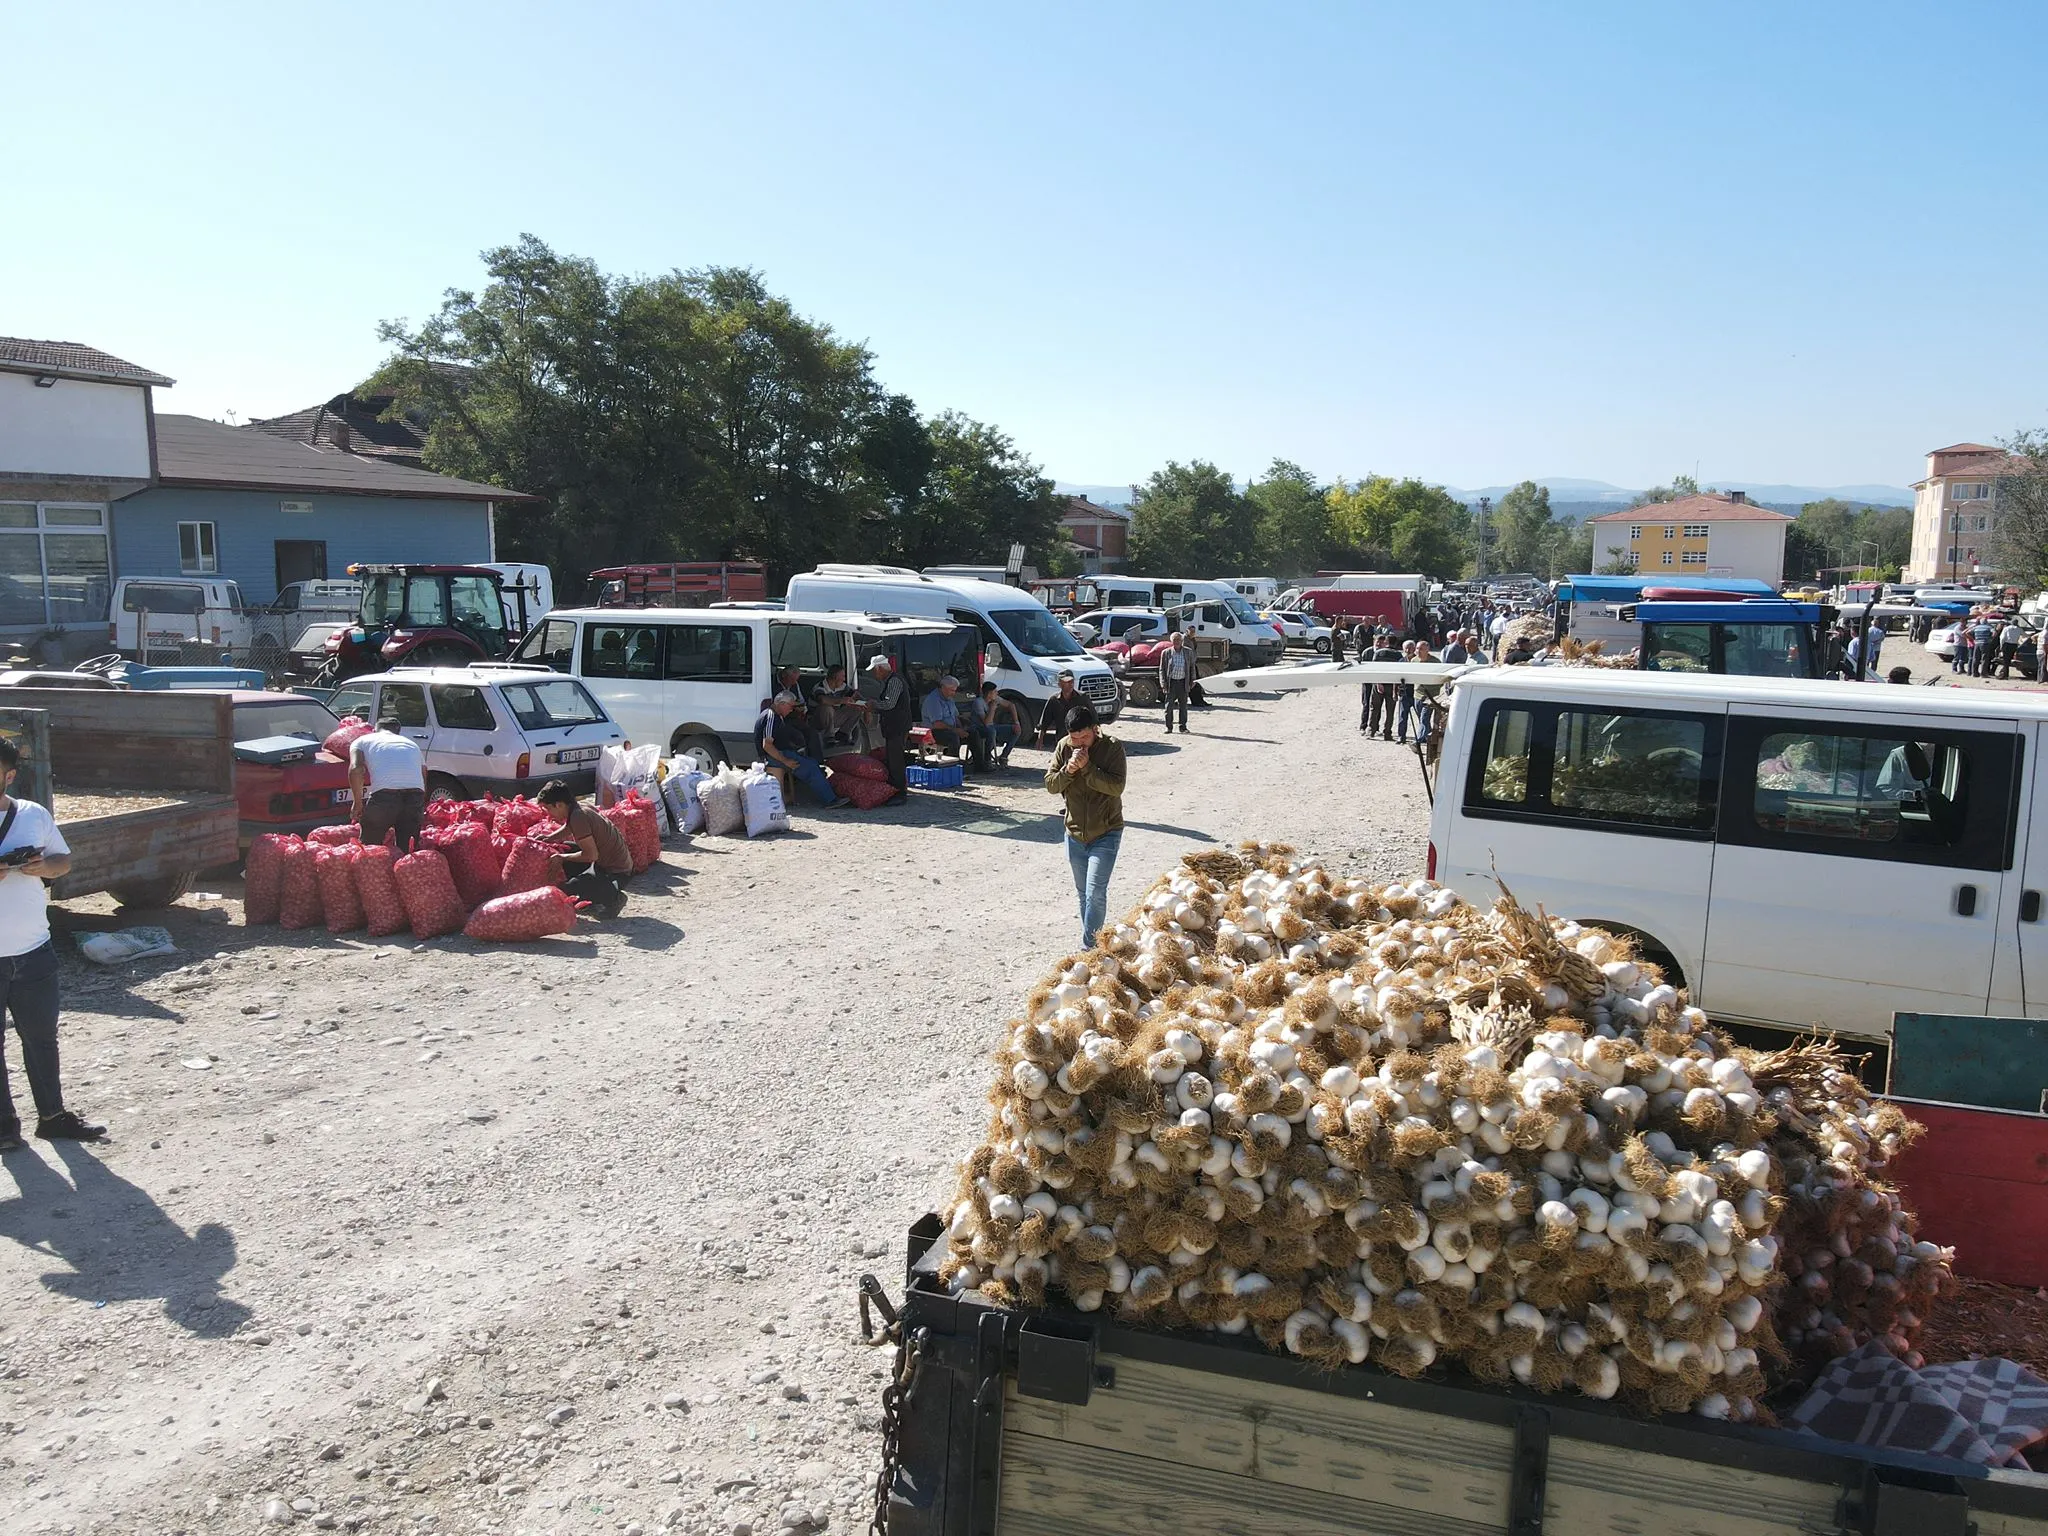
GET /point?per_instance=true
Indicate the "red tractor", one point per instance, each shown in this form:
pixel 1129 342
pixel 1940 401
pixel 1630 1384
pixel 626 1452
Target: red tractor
pixel 418 616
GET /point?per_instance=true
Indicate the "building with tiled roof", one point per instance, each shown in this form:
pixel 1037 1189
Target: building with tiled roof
pixel 354 424
pixel 1955 512
pixel 72 360
pixel 1716 533
pixel 1101 535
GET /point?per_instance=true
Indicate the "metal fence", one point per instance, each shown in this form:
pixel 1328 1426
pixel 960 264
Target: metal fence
pixel 279 645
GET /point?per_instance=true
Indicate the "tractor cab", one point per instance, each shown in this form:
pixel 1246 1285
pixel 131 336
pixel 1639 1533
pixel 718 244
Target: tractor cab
pixel 420 616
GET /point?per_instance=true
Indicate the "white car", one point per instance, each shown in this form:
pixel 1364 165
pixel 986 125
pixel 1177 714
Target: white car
pixel 1301 629
pixel 1131 625
pixel 1942 642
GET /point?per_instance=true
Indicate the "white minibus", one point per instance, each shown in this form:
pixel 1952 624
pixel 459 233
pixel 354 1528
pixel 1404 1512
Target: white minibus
pixel 1802 854
pixel 1247 639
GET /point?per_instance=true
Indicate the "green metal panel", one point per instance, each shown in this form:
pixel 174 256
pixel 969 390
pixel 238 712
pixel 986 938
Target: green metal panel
pixel 1955 1059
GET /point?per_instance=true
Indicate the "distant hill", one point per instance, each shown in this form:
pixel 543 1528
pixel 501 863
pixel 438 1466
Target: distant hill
pixel 1576 499
pixel 1101 495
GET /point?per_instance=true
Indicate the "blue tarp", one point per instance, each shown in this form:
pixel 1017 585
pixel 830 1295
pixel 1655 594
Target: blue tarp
pixel 1627 589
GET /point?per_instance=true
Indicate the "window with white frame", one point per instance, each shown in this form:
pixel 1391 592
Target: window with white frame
pixel 1696 530
pixel 53 563
pixel 1970 490
pixel 1955 523
pixel 1635 530
pixel 1693 557
pixel 1664 558
pixel 1953 555
pixel 1982 524
pixel 197 553
pixel 1670 530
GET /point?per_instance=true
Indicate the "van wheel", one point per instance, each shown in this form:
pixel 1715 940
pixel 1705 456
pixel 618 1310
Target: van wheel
pixel 160 892
pixel 706 754
pixel 1240 658
pixel 441 787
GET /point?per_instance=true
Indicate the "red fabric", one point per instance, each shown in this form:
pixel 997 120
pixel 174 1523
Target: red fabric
pixel 634 817
pixel 475 868
pixel 865 793
pixel 530 865
pixel 334 869
pixel 377 890
pixel 298 889
pixel 860 766
pixel 338 739
pixel 528 915
pixel 334 837
pixel 432 904
pixel 262 876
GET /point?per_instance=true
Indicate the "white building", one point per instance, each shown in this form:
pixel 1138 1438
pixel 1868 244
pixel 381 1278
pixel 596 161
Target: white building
pixel 1716 534
pixel 1955 513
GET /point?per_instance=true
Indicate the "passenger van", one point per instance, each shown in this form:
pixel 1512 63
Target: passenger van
pixel 175 613
pixel 694 680
pixel 1025 648
pixel 1801 854
pixel 1216 614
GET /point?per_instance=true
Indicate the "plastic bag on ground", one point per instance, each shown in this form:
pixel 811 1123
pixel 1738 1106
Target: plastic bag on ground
pixel 529 865
pixel 338 739
pixel 298 890
pixel 262 874
pixel 334 869
pixel 762 798
pixel 432 904
pixel 520 918
pixel 719 795
pixel 125 944
pixel 377 890
pixel 679 792
pixel 623 770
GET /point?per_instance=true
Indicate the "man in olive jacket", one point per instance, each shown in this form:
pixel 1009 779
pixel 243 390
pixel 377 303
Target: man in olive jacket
pixel 1088 774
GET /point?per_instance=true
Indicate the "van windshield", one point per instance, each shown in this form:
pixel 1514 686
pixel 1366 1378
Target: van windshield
pixel 1242 610
pixel 1035 632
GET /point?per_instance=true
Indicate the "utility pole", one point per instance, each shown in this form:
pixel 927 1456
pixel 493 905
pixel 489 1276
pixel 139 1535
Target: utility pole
pixel 1479 539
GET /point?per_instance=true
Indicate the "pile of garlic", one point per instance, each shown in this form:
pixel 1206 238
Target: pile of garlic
pixel 1381 1124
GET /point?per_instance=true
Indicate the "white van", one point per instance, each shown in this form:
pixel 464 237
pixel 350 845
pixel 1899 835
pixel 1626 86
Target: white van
pixel 1805 854
pixel 695 679
pixel 1025 647
pixel 1242 634
pixel 183 615
pixel 528 592
pixel 489 730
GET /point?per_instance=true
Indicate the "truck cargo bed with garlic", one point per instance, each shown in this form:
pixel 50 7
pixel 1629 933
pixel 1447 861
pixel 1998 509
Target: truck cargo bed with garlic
pixel 1380 1124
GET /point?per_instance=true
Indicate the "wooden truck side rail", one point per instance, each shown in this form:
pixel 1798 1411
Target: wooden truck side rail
pixel 172 744
pixel 1051 1422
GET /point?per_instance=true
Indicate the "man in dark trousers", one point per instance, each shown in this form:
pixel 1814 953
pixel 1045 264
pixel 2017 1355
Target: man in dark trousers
pixel 893 714
pixel 1377 719
pixel 1176 677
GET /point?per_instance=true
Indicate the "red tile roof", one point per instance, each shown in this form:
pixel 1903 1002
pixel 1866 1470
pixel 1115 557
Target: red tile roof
pixel 1081 506
pixel 72 360
pixel 1965 448
pixel 1695 509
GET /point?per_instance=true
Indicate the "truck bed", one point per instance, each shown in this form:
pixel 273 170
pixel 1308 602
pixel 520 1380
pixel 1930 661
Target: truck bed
pixel 1051 1422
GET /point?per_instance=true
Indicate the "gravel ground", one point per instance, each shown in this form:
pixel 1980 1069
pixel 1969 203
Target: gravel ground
pixel 564 1236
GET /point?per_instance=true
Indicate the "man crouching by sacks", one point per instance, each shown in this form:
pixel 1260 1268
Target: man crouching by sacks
pixel 598 869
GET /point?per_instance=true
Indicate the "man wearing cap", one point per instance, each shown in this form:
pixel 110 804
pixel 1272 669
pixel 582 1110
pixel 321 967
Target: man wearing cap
pixel 941 714
pixel 890 696
pixel 1052 722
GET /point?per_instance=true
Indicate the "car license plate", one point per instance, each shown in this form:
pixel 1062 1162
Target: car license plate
pixel 579 755
pixel 341 797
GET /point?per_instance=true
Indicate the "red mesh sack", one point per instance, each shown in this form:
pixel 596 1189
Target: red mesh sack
pixel 634 817
pixel 334 870
pixel 529 865
pixel 476 868
pixel 432 904
pixel 859 765
pixel 517 817
pixel 441 814
pixel 377 890
pixel 865 793
pixel 298 889
pixel 335 837
pixel 338 739
pixel 528 915
pixel 261 876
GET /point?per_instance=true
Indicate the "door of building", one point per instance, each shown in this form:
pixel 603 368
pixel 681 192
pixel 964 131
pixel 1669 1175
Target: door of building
pixel 300 560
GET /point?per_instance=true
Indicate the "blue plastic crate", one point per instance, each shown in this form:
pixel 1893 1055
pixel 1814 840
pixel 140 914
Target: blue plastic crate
pixel 949 776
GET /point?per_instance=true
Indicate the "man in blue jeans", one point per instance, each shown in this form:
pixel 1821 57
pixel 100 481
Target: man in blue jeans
pixel 1088 775
pixel 32 850
pixel 779 742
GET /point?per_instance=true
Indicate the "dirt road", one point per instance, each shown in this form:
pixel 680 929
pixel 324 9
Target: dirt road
pixel 564 1236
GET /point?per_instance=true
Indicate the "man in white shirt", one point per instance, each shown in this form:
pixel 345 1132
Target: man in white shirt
pixel 387 781
pixel 32 850
pixel 1176 676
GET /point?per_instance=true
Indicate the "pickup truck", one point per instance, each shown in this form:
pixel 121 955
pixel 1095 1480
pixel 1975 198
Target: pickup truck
pixel 142 785
pixel 1051 1422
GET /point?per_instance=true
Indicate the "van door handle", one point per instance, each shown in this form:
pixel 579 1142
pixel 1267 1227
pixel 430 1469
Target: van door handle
pixel 1966 901
pixel 2030 906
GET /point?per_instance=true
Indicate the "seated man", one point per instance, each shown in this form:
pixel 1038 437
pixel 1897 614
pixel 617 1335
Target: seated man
pixel 997 725
pixel 941 716
pixel 600 863
pixel 779 742
pixel 837 710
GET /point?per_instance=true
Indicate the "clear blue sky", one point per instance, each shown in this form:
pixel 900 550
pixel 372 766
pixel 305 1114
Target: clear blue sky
pixel 1796 243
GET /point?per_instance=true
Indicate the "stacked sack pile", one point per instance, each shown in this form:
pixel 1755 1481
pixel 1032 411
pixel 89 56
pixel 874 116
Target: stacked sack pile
pixel 481 868
pixel 861 777
pixel 1378 1123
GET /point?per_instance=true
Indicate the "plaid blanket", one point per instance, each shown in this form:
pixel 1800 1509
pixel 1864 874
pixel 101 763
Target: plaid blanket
pixel 1983 1411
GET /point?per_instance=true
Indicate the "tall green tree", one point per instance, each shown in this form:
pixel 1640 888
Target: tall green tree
pixel 2019 544
pixel 1191 520
pixel 1521 530
pixel 1402 525
pixel 1293 529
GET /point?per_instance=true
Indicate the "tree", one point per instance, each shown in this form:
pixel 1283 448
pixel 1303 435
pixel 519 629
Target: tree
pixel 1833 533
pixel 2019 542
pixel 1616 565
pixel 1293 527
pixel 982 497
pixel 1681 485
pixel 1402 523
pixel 1521 525
pixel 1191 520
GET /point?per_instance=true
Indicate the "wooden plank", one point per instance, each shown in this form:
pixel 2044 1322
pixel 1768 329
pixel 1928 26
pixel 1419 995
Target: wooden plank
pixel 1605 1490
pixel 1979 1180
pixel 1449 1468
pixel 144 845
pixel 124 760
pixel 1993 1063
pixel 158 740
pixel 1057 1488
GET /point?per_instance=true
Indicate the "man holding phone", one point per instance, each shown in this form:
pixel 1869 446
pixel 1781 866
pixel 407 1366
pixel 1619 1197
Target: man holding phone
pixel 32 850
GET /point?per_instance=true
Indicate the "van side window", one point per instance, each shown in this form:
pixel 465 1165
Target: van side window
pixel 622 650
pixel 460 707
pixel 553 644
pixel 710 653
pixel 794 645
pixel 1928 796
pixel 1648 770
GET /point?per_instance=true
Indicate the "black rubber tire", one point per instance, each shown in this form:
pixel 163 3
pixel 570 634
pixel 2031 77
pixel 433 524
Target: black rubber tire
pixel 1322 646
pixel 443 786
pixel 706 753
pixel 160 892
pixel 1240 658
